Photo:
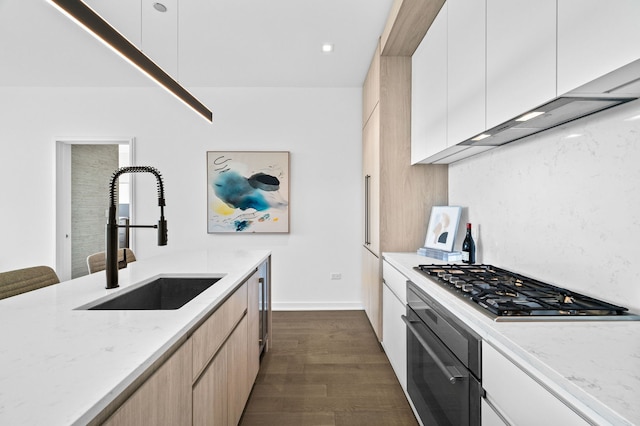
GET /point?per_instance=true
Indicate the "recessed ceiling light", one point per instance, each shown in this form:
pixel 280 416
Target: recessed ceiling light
pixel 160 7
pixel 327 47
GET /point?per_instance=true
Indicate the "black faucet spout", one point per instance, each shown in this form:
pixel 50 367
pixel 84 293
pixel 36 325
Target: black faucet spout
pixel 111 252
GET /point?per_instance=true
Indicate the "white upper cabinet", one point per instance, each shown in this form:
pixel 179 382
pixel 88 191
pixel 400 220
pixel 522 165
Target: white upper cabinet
pixel 595 37
pixel 483 63
pixel 429 92
pixel 466 69
pixel 521 57
pixel 449 84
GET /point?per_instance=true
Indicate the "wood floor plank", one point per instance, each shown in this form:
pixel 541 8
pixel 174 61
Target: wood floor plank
pixel 292 390
pixel 368 418
pixel 326 368
pixel 299 404
pixel 289 419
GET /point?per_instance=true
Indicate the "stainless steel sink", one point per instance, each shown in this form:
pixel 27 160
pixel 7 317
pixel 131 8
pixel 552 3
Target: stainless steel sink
pixel 160 294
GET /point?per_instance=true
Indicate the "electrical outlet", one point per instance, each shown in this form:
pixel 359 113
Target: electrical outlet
pixel 335 276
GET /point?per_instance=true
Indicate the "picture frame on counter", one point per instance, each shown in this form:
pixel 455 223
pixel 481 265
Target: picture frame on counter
pixel 442 228
pixel 247 192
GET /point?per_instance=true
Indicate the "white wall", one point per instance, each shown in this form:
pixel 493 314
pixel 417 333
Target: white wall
pixel 563 206
pixel 320 128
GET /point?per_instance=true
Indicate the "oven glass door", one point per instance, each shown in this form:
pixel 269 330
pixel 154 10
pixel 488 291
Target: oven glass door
pixel 441 388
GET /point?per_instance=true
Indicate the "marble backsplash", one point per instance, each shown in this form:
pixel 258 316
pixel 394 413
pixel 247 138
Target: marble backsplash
pixel 562 206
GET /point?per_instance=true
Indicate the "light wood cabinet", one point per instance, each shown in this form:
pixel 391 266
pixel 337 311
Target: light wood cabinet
pixel 221 391
pixel 371 89
pixel 238 386
pixel 371 171
pixel 207 381
pixel 595 38
pixel 372 291
pixel 521 57
pixel 210 336
pixel 210 400
pixel 397 196
pixel 164 398
pixel 215 342
pixel 406 25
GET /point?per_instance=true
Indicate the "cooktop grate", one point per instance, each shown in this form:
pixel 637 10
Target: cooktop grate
pixel 504 293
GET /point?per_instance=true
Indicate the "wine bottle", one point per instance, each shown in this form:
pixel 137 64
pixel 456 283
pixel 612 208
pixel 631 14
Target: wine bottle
pixel 468 247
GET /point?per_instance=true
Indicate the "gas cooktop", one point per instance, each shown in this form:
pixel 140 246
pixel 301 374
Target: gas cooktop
pixel 508 296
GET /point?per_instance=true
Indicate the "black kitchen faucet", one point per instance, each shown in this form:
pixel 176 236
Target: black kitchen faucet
pixel 112 224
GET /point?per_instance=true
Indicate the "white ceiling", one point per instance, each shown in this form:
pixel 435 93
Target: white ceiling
pixel 218 43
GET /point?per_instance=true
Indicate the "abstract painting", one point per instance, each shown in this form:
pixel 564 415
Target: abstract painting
pixel 247 192
pixel 443 225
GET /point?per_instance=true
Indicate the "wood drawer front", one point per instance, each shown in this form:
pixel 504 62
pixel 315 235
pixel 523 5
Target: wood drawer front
pixel 163 399
pixel 210 396
pixel 210 336
pixel 396 282
pixel 518 397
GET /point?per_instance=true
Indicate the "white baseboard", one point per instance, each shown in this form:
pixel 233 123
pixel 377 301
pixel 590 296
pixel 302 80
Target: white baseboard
pixel 316 306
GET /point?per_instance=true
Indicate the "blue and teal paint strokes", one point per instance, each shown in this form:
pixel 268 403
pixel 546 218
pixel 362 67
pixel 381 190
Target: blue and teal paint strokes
pixel 241 225
pixel 241 193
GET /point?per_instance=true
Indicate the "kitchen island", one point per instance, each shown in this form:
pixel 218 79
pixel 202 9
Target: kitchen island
pixel 60 365
pixel 592 367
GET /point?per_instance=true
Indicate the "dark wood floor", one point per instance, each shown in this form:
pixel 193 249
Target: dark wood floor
pixel 326 368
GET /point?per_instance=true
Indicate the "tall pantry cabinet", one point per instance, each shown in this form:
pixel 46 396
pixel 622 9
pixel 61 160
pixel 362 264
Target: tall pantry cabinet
pixel 397 196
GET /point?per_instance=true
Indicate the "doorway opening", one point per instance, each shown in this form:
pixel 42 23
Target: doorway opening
pixel 83 169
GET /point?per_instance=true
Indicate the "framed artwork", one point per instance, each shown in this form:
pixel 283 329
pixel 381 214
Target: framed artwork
pixel 247 192
pixel 443 225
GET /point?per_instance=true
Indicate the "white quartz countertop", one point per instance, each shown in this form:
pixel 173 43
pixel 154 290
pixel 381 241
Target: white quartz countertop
pixel 592 365
pixel 62 366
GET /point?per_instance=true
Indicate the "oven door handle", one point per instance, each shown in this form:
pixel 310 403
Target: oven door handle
pixel 451 372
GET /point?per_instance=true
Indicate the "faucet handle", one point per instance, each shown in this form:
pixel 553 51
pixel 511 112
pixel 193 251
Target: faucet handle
pixel 123 263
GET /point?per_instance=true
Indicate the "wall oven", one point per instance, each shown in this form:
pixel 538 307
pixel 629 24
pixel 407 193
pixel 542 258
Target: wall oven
pixel 443 363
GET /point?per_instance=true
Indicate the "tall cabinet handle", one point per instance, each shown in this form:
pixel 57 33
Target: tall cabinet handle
pixel 367 199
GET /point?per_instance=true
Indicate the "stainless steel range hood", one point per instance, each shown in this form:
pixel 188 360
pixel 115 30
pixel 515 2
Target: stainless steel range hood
pixel 615 88
pixel 559 111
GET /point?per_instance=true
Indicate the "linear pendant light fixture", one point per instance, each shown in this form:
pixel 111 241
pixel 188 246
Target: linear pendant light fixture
pixel 84 16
